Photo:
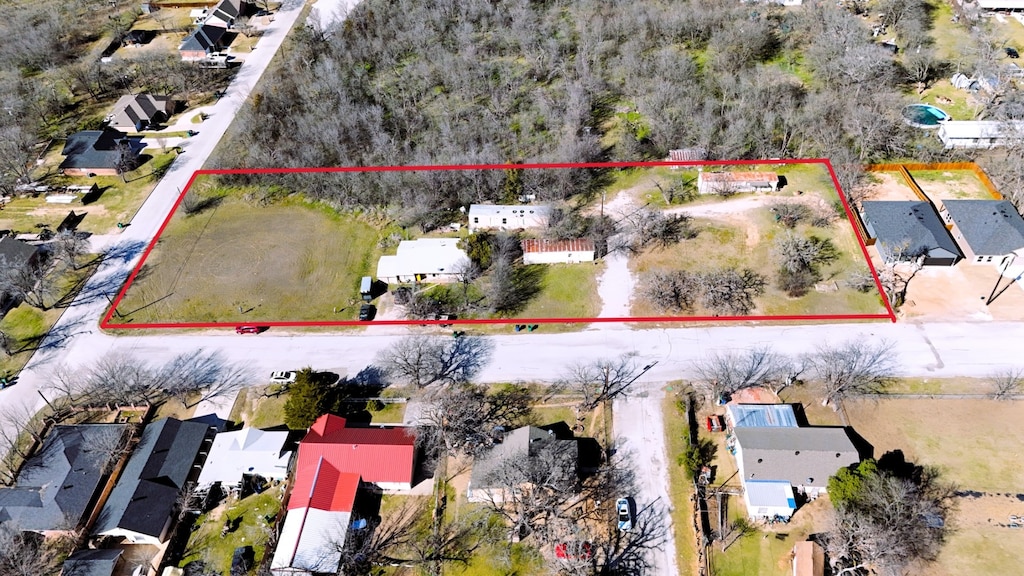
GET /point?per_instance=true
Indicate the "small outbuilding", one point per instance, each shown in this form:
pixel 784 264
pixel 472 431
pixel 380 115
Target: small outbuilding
pixel 908 230
pixel 503 217
pixel 543 251
pixel 735 182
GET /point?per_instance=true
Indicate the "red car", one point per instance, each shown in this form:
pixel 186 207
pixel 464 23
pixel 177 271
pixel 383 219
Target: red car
pixel 247 330
pixel 573 551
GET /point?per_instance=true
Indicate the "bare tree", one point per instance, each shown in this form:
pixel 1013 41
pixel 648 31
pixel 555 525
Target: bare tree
pixel 465 418
pixel 646 227
pixel 902 263
pixel 795 253
pixel 789 214
pixel 731 292
pixel 424 360
pixel 29 283
pixel 188 501
pixel 600 380
pixel 1007 383
pixel 68 248
pixel 854 367
pixel 672 291
pixel 194 377
pixel 723 373
pixel 118 378
pixel 26 553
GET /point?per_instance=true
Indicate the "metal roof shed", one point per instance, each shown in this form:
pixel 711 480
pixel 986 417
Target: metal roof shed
pixel 761 415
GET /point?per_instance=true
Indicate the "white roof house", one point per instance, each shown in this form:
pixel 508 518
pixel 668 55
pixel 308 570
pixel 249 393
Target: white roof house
pixel 767 499
pixel 979 133
pixel 543 251
pixel 246 451
pixel 1001 4
pixel 503 217
pixel 309 542
pixel 423 260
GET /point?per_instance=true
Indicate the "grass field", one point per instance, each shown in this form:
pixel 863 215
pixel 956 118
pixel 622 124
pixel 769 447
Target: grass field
pixel 239 263
pixel 567 291
pixel 744 238
pixel 680 487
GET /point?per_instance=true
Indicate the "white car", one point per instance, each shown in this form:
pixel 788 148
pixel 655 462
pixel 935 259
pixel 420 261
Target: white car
pixel 282 377
pixel 626 511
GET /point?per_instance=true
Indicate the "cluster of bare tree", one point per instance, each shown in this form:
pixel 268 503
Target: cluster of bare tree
pixel 29 554
pixel 800 259
pixel 724 292
pixel 189 378
pixel 887 517
pixel 847 369
pixel 424 360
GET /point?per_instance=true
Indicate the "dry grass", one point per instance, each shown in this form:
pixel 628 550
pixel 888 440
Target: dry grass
pixel 951 185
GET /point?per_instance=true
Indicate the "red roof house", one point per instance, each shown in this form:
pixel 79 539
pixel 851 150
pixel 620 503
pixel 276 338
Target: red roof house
pixel 385 457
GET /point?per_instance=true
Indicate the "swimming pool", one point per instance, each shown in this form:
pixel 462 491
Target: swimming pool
pixel 924 115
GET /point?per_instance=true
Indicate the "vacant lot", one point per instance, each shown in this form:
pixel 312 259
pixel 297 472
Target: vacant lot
pixel 974 443
pixel 740 232
pixel 235 262
pixel 889 186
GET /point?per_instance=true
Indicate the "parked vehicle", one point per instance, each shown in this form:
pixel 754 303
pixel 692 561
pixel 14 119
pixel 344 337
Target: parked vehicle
pixel 627 513
pixel 367 312
pixel 247 330
pixel 283 377
pixel 574 550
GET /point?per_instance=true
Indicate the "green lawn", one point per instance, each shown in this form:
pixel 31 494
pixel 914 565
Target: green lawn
pixel 241 262
pixel 951 184
pixel 207 545
pixel 567 291
pixel 680 487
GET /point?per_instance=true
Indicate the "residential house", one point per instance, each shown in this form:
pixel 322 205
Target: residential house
pixel 100 153
pixel 245 452
pixel 137 37
pixel 135 113
pixel 988 231
pixel 979 133
pixel 504 217
pixel 226 13
pixel 93 563
pixel 424 260
pixel 760 415
pixel 140 507
pixel 543 251
pixel 735 182
pixel 1001 5
pixel 58 487
pixel 202 42
pixel 487 481
pixel 317 521
pixel 908 230
pixel 385 457
pixel 804 457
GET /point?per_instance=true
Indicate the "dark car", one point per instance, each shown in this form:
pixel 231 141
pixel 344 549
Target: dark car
pixel 367 312
pixel 243 560
pixel 1012 52
pixel 248 329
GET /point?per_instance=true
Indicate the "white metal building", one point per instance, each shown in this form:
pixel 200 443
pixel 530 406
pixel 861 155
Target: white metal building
pixel 502 217
pixel 247 451
pixel 755 181
pixel 979 133
pixel 423 260
pixel 542 251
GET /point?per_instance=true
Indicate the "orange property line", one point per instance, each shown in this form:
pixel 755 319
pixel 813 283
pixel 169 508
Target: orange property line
pixel 970 166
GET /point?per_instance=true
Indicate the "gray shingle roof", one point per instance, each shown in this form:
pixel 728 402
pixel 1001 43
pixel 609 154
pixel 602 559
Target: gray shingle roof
pixel 522 444
pixel 96 149
pixel 57 483
pixel 204 38
pixel 914 223
pixel 990 227
pixel 149 485
pixel 14 252
pixel 92 563
pixel 139 109
pixel 801 456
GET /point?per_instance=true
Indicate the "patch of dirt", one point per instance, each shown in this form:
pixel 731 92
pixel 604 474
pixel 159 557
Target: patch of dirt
pixel 887 186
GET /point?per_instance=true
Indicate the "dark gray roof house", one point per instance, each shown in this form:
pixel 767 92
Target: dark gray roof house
pixel 98 150
pixel 14 252
pixel 141 504
pixel 202 41
pixel 985 228
pixel 92 563
pixel 804 457
pixel 137 112
pixel 519 447
pixel 57 487
pixel 905 230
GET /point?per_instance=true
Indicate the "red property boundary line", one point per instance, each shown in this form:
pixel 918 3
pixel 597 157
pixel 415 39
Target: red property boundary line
pixel 106 322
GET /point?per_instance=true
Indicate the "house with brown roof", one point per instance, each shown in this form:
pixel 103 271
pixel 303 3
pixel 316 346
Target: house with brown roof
pixel 544 251
pixel 735 182
pixel 137 112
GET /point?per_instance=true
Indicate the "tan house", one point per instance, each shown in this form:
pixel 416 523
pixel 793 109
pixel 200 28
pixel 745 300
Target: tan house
pixel 135 113
pixel 987 231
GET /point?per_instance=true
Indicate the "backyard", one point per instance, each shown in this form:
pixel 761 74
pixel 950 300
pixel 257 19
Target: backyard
pixel 234 523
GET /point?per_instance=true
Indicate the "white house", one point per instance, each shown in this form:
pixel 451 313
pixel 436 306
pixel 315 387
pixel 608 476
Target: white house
pixel 423 260
pixel 249 451
pixel 767 499
pixel 979 133
pixel 502 217
pixel 734 182
pixel 541 251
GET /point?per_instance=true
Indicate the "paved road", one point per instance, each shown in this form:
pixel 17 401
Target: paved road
pixel 639 427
